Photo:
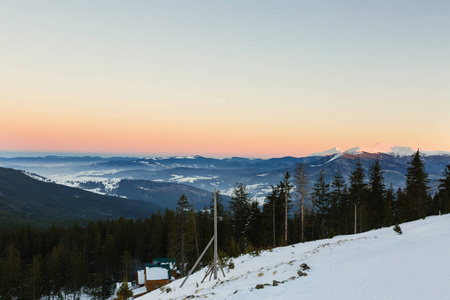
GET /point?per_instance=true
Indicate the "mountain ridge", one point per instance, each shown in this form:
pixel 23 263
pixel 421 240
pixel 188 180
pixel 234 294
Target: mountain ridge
pixel 24 199
pixel 381 148
pixel 222 174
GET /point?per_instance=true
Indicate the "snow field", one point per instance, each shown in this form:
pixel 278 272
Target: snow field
pixel 373 265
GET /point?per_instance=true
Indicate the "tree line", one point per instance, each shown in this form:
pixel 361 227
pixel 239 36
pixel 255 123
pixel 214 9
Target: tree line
pixel 63 261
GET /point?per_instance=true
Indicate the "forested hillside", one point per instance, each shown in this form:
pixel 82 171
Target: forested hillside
pixel 27 200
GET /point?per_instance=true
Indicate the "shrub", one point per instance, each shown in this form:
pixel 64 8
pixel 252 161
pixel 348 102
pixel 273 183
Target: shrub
pixel 397 229
pixel 231 264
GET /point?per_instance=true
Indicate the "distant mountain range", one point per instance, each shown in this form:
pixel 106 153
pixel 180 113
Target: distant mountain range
pixel 381 148
pixel 162 180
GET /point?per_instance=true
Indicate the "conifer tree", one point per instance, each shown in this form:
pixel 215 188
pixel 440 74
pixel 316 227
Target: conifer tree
pixel 432 205
pixel 224 229
pixel 124 291
pixel 33 279
pixel 417 186
pixel 358 191
pixel 443 195
pixel 272 217
pixel 286 203
pixel 339 206
pixel 388 210
pixel 400 207
pixel 253 226
pixel 302 187
pixel 183 234
pixel 205 231
pixel 240 211
pixel 321 202
pixel 76 276
pixel 13 272
pixel 376 196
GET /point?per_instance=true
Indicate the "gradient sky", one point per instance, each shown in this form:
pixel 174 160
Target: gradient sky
pixel 223 78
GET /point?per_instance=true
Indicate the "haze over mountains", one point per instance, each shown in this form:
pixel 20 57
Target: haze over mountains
pixel 162 180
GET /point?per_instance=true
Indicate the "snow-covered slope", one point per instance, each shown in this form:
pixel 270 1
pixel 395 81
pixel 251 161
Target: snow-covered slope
pixel 374 265
pixel 382 148
pixel 332 151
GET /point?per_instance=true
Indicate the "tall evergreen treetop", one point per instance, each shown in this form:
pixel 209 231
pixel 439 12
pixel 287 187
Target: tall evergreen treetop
pixel 321 202
pixel 321 199
pixel 417 186
pixel 377 194
pixel 444 191
pixel 444 183
pixel 240 206
pixel 358 187
pixel 338 187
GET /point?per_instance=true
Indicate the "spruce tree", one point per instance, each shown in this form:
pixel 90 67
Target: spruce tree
pixel 224 230
pixel 443 195
pixel 286 203
pixel 339 206
pixel 33 279
pixel 124 292
pixel 272 217
pixel 302 187
pixel 240 211
pixel 400 207
pixel 13 271
pixel 253 226
pixel 358 192
pixel 417 186
pixel 388 210
pixel 376 196
pixel 182 234
pixel 321 202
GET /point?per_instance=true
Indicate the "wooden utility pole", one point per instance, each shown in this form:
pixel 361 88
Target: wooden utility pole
pixel 355 218
pixel 195 229
pixel 215 235
pixel 196 263
pixel 213 266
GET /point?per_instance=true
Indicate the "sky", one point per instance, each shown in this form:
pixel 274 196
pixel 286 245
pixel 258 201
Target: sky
pixel 223 78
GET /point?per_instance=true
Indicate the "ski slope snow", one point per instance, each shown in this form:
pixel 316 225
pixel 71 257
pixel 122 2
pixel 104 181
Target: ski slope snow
pixel 379 264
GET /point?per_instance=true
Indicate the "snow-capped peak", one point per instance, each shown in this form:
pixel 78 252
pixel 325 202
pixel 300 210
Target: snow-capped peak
pixel 377 148
pixel 332 151
pixel 380 148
